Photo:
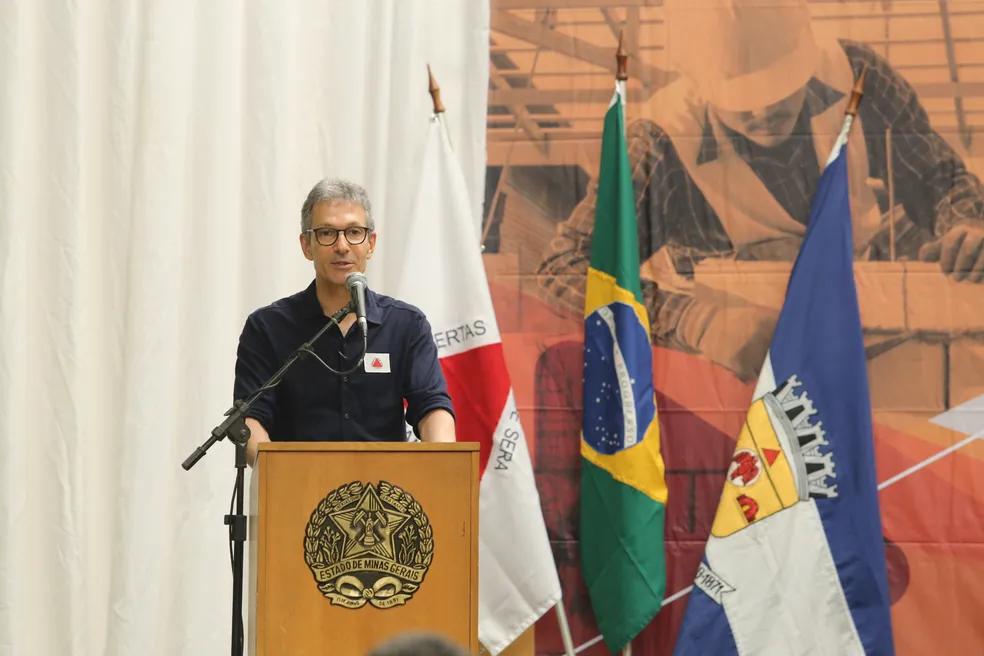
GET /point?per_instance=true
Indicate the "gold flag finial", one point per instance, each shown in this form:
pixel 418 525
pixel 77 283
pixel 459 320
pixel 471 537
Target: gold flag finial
pixel 856 93
pixel 435 92
pixel 621 59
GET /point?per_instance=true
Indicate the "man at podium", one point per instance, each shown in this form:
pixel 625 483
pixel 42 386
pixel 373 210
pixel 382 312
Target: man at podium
pixel 323 396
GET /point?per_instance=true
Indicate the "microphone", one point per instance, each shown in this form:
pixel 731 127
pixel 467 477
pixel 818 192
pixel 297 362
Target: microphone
pixel 356 284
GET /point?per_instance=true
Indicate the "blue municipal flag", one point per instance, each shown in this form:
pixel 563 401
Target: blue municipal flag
pixel 796 561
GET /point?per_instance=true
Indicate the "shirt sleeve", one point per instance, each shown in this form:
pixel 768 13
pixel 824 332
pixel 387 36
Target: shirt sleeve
pixel 255 363
pixel 424 387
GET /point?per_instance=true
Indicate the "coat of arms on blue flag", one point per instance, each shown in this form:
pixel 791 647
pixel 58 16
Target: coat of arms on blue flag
pixel 795 563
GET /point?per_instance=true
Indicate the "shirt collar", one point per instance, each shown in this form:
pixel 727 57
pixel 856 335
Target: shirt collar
pixel 311 306
pixel 819 97
pixel 374 313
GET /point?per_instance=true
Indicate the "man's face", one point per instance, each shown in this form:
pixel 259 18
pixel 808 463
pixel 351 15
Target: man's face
pixel 770 125
pixel 333 263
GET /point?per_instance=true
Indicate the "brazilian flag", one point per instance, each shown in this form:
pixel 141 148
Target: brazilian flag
pixel 623 487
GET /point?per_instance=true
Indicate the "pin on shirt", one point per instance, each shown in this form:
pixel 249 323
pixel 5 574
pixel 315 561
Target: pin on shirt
pixel 377 363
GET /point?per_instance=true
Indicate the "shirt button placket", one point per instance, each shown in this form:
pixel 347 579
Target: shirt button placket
pixel 345 380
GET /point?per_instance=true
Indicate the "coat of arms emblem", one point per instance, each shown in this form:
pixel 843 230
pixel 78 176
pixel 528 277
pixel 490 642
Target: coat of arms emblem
pixel 369 544
pixel 782 458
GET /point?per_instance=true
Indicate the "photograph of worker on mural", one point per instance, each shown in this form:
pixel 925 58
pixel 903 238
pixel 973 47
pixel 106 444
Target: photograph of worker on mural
pixel 726 158
pixel 733 107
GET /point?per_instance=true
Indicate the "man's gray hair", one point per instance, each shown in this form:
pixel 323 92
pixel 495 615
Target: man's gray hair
pixel 332 190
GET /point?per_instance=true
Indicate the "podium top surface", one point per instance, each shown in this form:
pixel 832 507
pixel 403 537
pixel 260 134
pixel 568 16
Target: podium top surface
pixel 368 446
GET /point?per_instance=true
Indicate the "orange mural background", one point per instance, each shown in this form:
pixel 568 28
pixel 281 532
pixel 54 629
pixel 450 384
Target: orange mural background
pixel 552 64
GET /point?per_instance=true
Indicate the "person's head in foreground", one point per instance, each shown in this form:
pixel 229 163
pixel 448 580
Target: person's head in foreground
pixel 418 644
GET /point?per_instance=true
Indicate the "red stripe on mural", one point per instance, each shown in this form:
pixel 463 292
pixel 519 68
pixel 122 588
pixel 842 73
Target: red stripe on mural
pixel 478 383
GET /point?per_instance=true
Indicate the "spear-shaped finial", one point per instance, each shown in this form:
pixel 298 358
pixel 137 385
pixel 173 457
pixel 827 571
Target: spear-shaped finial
pixel 435 92
pixel 621 71
pixel 849 115
pixel 857 92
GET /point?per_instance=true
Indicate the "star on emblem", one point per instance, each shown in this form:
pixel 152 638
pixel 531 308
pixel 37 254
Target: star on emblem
pixel 369 526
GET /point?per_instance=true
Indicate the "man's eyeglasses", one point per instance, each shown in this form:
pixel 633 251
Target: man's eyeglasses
pixel 354 235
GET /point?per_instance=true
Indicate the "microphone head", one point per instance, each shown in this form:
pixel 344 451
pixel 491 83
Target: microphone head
pixel 355 279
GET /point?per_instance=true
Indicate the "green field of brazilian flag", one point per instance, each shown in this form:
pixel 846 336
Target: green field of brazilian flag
pixel 623 487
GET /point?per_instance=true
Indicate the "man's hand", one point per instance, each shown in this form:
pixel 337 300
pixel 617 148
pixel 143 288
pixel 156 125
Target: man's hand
pixel 960 252
pixel 257 434
pixel 437 426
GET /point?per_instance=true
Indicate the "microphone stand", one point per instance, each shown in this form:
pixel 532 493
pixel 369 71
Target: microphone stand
pixel 235 429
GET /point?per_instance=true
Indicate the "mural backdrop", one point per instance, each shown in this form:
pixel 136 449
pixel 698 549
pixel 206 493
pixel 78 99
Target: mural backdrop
pixel 733 107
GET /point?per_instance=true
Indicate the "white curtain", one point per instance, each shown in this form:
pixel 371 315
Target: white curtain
pixel 153 160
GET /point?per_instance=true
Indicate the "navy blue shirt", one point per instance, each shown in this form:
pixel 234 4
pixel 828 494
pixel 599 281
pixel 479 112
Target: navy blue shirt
pixel 312 403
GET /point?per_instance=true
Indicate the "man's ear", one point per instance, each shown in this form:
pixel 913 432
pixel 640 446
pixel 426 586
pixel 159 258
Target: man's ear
pixel 305 239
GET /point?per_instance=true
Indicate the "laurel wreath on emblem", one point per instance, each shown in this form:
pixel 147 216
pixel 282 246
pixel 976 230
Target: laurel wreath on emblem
pixel 406 503
pixel 413 549
pixel 321 549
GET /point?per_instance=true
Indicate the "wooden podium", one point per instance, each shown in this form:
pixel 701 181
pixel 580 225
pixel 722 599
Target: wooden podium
pixel 352 543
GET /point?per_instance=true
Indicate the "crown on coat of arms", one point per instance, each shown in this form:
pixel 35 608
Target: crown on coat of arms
pixel 810 437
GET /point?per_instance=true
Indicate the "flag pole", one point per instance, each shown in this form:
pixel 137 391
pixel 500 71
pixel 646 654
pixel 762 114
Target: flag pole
pixel 621 59
pixel 434 89
pixel 435 92
pixel 621 76
pixel 852 110
pixel 621 70
pixel 565 629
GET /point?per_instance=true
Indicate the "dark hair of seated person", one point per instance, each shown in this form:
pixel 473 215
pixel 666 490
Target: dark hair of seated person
pixel 418 644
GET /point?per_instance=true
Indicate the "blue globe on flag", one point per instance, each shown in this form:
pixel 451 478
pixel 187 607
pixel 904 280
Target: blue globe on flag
pixel 618 393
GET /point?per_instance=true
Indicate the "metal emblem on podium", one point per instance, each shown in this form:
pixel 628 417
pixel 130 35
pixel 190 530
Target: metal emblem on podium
pixel 370 544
